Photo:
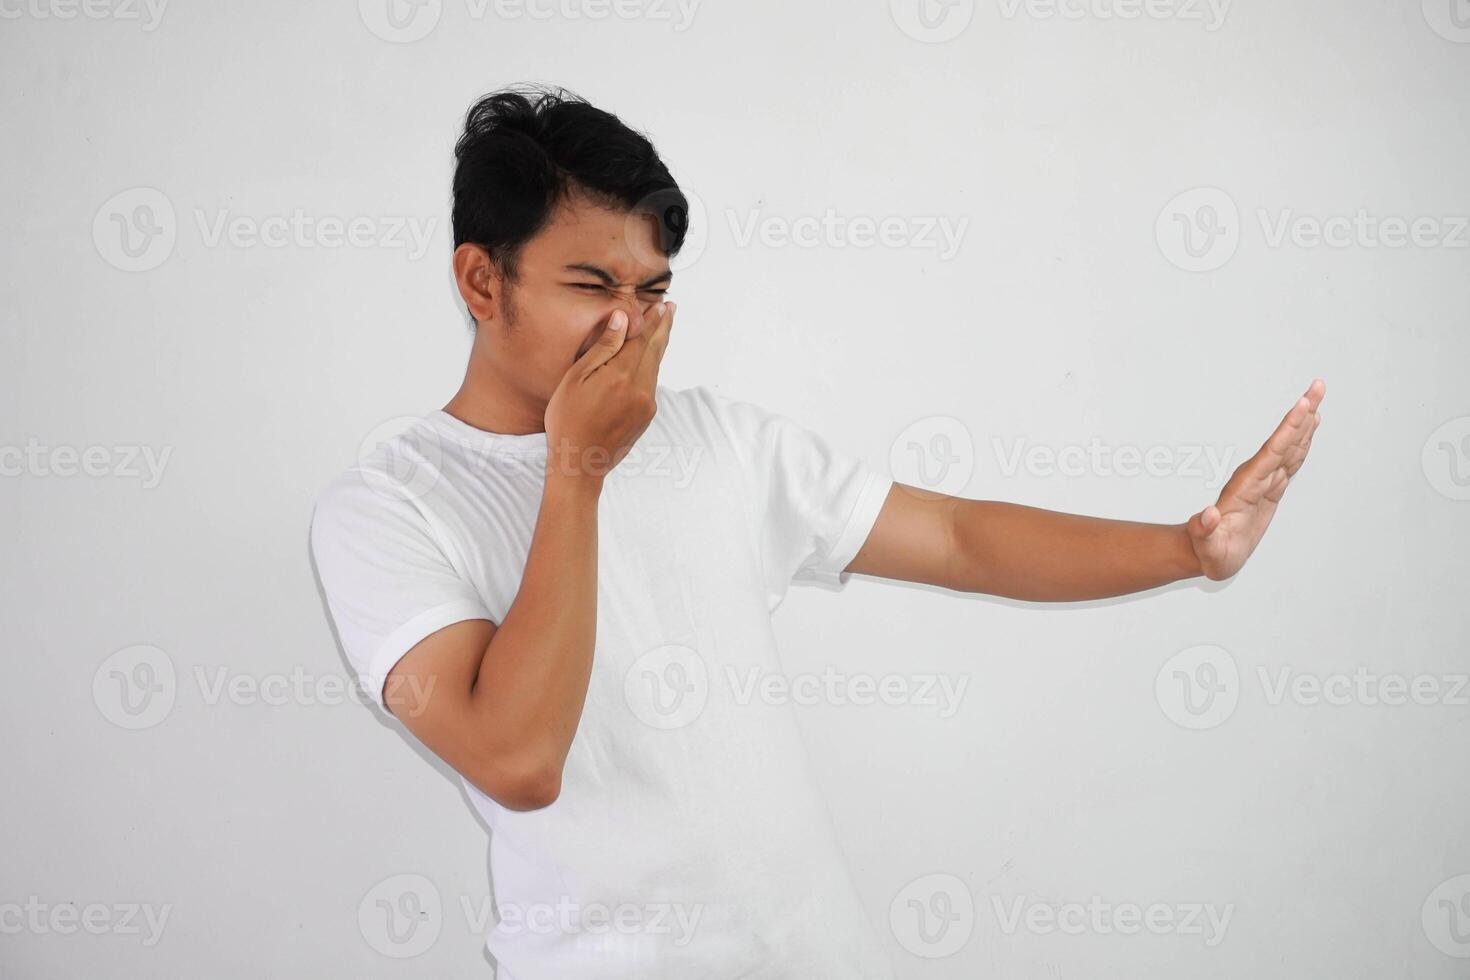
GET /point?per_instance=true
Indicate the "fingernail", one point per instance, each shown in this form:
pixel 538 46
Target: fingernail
pixel 618 321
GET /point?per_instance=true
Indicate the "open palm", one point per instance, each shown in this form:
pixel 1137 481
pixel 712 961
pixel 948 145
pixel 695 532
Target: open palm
pixel 1225 533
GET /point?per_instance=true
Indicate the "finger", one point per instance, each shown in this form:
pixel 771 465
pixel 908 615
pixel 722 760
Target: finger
pixel 1273 452
pixel 1316 391
pixel 1299 455
pixel 608 343
pixel 658 342
pixel 1279 482
pixel 633 347
pixel 1205 522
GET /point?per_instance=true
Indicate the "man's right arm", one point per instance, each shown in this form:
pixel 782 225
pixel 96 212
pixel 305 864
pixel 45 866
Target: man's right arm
pixel 500 704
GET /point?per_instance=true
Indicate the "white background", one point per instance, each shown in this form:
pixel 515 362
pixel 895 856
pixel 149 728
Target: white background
pixel 1070 312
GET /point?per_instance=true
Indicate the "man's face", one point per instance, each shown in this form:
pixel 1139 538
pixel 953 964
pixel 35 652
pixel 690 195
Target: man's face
pixel 585 264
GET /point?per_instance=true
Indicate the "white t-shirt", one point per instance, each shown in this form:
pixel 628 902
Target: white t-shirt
pixel 689 840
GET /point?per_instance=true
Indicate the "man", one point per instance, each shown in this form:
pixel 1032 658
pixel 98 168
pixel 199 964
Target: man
pixel 551 581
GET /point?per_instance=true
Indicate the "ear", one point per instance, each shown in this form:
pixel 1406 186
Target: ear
pixel 478 280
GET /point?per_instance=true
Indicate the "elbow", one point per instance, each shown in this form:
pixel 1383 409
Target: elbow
pixel 521 788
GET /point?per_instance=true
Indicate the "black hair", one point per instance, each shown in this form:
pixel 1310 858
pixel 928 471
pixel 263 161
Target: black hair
pixel 526 148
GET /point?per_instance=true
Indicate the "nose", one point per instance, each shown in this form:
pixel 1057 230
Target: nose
pixel 627 299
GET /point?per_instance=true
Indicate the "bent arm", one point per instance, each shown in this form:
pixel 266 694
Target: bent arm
pixel 500 704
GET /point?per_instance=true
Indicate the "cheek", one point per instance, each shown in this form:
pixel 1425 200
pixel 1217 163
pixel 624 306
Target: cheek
pixel 551 330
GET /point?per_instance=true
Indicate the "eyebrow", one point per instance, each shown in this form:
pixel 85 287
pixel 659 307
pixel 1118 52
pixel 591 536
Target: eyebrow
pixel 607 278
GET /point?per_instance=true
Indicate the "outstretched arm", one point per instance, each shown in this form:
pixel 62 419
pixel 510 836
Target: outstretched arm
pixel 1024 552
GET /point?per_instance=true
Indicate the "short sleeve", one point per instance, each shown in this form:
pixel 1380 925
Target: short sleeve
pixel 815 502
pixel 388 583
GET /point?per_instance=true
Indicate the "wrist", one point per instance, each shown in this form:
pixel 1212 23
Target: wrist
pixel 573 482
pixel 1186 560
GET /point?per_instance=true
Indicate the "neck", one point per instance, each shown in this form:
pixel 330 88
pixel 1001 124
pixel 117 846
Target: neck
pixel 488 401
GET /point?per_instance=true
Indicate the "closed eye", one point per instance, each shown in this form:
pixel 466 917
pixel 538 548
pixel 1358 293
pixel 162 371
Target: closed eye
pixel 597 286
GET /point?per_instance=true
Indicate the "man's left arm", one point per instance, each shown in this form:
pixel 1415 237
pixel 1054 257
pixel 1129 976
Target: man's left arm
pixel 1022 552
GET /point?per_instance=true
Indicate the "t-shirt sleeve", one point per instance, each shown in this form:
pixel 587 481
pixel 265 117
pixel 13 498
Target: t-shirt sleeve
pixel 387 582
pixel 815 503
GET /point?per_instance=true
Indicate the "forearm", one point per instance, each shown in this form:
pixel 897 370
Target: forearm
pixel 532 681
pixel 1028 553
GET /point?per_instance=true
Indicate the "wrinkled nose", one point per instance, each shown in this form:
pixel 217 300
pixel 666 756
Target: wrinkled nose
pixel 629 302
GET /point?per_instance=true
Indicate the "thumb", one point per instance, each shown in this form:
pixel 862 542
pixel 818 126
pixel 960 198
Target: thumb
pixel 1201 524
pixel 608 343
